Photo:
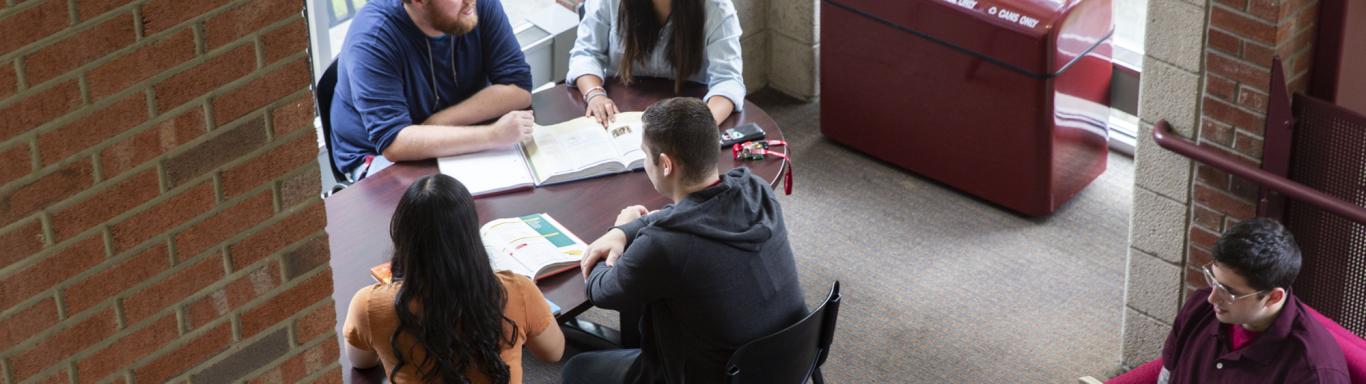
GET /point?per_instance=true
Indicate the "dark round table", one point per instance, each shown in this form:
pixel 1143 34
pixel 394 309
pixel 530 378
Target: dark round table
pixel 358 216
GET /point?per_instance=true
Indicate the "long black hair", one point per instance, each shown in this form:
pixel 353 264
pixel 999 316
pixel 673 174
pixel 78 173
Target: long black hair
pixel 639 30
pixel 446 278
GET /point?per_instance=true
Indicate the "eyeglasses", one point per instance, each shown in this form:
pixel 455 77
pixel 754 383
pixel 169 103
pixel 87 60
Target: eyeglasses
pixel 1220 292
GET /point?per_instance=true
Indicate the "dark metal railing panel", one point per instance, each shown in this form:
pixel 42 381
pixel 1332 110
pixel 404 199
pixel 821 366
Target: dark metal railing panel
pixel 1330 156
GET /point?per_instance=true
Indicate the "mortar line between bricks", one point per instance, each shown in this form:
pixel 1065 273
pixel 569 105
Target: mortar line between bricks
pixel 1244 62
pixel 1297 36
pixel 74 377
pixel 236 325
pixel 1243 13
pixel 268 147
pixel 258 299
pixel 1260 44
pixel 124 216
pixel 33 259
pixel 72 18
pixel 65 324
pixel 325 370
pixel 294 350
pixel 1227 150
pixel 258 48
pixel 235 85
pixel 201 48
pixel 1225 194
pixel 237 345
pixel 127 329
pixel 84 112
pixel 55 289
pixel 145 85
pixel 75 28
pixel 111 14
pixel 96 170
pixel 48 233
pixel 217 181
pixel 139 29
pixel 278 256
pixel 8 375
pixel 295 343
pixel 277 195
pixel 20 78
pixel 181 340
pixel 95 189
pixel 14 8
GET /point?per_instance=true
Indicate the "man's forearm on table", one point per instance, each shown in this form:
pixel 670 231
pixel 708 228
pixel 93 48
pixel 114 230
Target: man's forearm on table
pixel 487 104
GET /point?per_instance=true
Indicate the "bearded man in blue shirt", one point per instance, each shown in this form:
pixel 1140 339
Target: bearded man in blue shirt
pixel 415 78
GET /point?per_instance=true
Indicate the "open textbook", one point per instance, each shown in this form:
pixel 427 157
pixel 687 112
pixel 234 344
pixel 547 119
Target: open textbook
pixel 535 246
pixel 573 150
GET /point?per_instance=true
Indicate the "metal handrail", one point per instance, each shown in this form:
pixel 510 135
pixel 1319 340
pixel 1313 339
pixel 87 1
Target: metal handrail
pixel 1164 138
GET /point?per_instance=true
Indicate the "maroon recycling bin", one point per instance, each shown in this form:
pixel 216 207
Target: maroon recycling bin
pixel 1004 100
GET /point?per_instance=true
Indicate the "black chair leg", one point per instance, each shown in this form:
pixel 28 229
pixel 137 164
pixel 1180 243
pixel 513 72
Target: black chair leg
pixel 816 376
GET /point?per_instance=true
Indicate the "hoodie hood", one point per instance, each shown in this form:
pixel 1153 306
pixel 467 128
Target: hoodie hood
pixel 751 213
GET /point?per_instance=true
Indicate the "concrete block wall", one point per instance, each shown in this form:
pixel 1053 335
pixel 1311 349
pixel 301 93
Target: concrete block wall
pixel 159 213
pixel 1207 68
pixel 794 47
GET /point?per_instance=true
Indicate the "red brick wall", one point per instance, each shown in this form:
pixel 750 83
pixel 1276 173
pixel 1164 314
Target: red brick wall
pixel 1243 36
pixel 159 210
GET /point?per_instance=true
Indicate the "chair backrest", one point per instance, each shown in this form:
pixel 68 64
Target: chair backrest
pixel 792 354
pixel 327 85
pixel 1353 346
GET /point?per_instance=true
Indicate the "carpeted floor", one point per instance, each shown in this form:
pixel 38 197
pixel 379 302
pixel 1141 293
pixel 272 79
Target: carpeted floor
pixel 941 287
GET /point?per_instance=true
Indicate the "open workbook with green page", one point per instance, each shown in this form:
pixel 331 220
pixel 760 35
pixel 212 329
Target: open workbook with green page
pixel 572 150
pixel 535 246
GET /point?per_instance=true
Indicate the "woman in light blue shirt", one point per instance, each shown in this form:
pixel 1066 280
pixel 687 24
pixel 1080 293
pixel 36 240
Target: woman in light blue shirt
pixel 684 40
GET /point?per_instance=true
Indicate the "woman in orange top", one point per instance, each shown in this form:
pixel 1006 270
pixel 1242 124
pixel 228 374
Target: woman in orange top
pixel 447 317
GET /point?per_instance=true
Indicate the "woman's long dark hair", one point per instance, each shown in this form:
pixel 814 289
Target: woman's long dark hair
pixel 639 30
pixel 447 279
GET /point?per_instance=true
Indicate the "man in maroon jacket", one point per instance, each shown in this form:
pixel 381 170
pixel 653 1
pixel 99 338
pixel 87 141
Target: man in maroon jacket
pixel 1247 327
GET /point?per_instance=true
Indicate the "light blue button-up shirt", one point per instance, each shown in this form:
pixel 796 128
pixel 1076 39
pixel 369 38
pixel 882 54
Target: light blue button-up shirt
pixel 599 48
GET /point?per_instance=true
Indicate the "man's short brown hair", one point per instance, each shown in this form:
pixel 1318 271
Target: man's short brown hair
pixel 683 128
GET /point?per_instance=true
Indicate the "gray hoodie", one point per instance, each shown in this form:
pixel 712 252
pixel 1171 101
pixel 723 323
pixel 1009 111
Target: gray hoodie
pixel 711 273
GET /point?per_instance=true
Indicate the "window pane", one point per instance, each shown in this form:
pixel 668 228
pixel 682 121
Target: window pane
pixel 339 11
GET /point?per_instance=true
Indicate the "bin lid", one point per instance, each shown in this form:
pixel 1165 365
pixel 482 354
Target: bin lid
pixel 1017 34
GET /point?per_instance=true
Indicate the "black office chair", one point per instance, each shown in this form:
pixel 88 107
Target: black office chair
pixel 792 355
pixel 323 91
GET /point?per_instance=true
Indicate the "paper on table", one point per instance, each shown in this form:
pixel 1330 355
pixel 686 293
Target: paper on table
pixel 489 171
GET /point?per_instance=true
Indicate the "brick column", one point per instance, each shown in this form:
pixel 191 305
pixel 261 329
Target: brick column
pixel 159 210
pixel 1206 72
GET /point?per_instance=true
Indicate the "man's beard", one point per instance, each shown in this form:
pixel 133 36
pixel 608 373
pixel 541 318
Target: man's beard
pixel 457 25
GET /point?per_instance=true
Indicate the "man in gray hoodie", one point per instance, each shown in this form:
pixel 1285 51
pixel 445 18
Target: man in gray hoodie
pixel 708 273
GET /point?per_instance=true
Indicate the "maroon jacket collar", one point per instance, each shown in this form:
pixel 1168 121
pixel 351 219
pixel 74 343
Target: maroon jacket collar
pixel 1265 348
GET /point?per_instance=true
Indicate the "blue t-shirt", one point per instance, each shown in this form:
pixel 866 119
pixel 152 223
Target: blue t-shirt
pixel 390 74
